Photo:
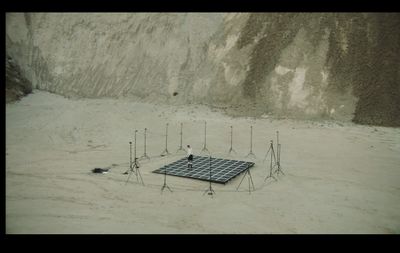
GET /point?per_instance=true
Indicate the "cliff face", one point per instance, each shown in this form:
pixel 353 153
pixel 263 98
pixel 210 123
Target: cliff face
pixel 303 65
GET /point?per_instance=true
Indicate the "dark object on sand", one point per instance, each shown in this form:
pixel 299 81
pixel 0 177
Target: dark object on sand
pixel 100 170
pixel 175 93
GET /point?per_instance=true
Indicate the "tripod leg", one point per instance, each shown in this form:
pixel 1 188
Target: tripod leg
pixel 136 173
pixel 281 170
pixel 273 155
pixel 249 184
pixel 279 160
pixel 265 158
pixel 205 150
pixel 210 191
pixel 270 172
pixel 270 176
pixel 250 155
pixel 251 179
pixel 140 175
pixel 130 173
pixel 165 186
pixel 145 156
pixel 241 180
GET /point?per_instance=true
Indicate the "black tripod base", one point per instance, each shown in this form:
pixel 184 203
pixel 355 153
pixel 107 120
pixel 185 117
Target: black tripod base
pixel 181 149
pixel 205 150
pixel 209 192
pixel 165 153
pixel 165 186
pixel 145 157
pixel 130 170
pixel 232 151
pixel 270 176
pixel 250 155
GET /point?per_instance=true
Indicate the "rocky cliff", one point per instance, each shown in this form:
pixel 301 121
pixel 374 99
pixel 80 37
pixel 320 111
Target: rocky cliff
pixel 344 66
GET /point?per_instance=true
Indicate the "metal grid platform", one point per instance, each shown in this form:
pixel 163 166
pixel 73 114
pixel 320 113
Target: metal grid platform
pixel 222 170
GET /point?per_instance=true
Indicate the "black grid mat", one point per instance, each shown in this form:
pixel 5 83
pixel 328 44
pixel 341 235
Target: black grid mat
pixel 222 170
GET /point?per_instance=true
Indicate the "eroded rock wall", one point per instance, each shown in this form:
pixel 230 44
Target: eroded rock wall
pixel 343 66
pixel 17 86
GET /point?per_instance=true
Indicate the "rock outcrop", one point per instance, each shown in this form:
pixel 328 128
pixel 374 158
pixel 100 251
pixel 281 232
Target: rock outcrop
pixel 17 85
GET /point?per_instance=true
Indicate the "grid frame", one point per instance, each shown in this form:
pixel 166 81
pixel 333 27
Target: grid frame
pixel 222 170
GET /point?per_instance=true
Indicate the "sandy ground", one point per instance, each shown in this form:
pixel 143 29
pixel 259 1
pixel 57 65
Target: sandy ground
pixel 339 177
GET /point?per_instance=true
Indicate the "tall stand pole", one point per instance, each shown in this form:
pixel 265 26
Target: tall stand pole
pixel 165 181
pixel 135 143
pixel 166 138
pixel 145 144
pixel 278 152
pixel 210 190
pixel 231 149
pixel 277 147
pixel 273 157
pixel 205 134
pixel 166 152
pixel 180 145
pixel 130 154
pixel 134 168
pixel 277 137
pixel 130 159
pixel 205 139
pixel 181 134
pixel 251 154
pixel 135 165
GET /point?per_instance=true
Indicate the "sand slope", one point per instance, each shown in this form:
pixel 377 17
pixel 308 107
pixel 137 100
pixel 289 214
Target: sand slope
pixel 340 178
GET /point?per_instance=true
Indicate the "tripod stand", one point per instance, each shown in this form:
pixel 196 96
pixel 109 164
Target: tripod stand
pixel 210 190
pixel 166 152
pixel 205 139
pixel 271 149
pixel 133 167
pixel 251 154
pixel 250 179
pixel 180 147
pixel 145 154
pixel 278 156
pixel 165 181
pixel 130 159
pixel 231 149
